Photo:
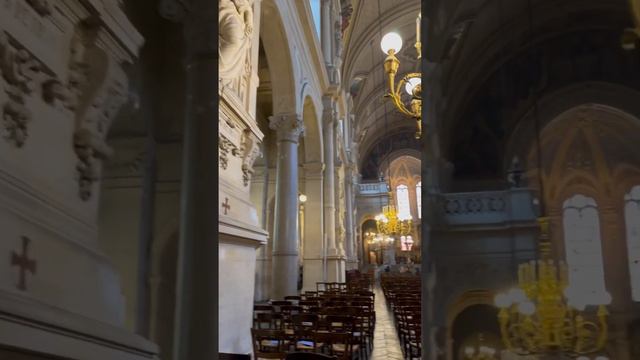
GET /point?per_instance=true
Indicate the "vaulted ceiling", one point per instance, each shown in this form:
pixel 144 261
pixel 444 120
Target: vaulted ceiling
pixel 376 119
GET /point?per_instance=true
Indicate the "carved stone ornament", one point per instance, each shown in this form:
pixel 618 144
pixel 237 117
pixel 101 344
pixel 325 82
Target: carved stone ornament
pixel 96 89
pixel 235 24
pixel 289 127
pixel 251 151
pixel 225 146
pixel 20 70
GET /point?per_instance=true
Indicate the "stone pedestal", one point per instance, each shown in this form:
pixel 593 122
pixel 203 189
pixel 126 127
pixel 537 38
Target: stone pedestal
pixel 62 85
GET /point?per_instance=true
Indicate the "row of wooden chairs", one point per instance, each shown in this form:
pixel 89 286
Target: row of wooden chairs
pixel 303 322
pixel 403 295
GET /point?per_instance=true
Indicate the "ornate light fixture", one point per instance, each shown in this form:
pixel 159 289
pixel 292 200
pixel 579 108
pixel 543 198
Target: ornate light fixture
pixel 388 222
pixel 391 44
pixel 545 315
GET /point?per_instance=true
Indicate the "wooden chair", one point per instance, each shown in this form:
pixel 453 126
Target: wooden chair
pixel 303 333
pixel 337 344
pixel 293 298
pixel 268 321
pixel 308 356
pixel 268 344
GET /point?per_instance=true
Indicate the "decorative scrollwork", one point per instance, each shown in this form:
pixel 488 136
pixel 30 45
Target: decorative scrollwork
pixel 20 70
pixel 251 151
pixel 225 146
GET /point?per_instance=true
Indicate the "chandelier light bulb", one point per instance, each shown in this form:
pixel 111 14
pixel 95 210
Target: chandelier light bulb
pixel 527 308
pixel 517 295
pixel 391 41
pixel 469 351
pixel 502 301
pixel 302 198
pixel 411 84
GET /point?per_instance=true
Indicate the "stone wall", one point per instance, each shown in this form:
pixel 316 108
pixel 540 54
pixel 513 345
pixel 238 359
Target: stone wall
pixel 62 86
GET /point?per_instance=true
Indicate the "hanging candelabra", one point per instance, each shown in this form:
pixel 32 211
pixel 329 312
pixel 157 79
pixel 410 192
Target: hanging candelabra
pixel 545 315
pixel 410 105
pixel 389 223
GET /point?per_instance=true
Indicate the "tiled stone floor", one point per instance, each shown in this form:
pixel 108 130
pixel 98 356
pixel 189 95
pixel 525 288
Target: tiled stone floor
pixel 386 345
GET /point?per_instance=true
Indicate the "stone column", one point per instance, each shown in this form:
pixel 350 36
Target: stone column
pixel 284 282
pixel 326 31
pixel 333 257
pixel 352 261
pixel 313 260
pixel 197 273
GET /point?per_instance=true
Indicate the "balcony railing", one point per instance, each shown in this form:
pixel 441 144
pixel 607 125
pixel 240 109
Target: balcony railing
pixel 487 207
pixel 376 188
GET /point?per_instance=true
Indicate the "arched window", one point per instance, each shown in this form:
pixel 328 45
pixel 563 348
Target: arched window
pixel 419 199
pixel 583 245
pixel 402 196
pixel 632 222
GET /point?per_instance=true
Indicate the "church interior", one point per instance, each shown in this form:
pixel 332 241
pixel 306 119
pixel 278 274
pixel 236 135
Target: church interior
pixel 523 243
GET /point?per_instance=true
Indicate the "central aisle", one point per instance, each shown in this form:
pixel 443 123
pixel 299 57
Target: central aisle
pixel 386 345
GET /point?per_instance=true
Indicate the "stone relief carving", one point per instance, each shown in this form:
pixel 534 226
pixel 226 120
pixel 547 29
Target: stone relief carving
pixel 251 151
pixel 225 146
pixel 42 7
pixel 69 93
pixel 96 90
pixel 20 70
pixel 235 24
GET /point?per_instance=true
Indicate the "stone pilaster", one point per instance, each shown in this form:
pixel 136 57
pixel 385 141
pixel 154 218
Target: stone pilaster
pixel 335 260
pixel 288 127
pixel 352 257
pixel 313 253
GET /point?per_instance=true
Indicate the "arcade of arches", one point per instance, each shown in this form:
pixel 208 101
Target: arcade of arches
pixel 109 168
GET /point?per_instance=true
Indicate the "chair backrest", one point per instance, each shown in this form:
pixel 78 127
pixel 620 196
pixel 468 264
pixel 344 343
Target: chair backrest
pixel 268 321
pixel 337 342
pixel 308 356
pixel 340 323
pixel 262 308
pixel 292 298
pixel 268 344
pixel 304 322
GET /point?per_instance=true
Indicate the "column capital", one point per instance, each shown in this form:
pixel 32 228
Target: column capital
pixel 289 127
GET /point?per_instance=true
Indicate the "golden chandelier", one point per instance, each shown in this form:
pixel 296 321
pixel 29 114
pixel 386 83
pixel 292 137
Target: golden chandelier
pixel 546 315
pixel 391 44
pixel 388 222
